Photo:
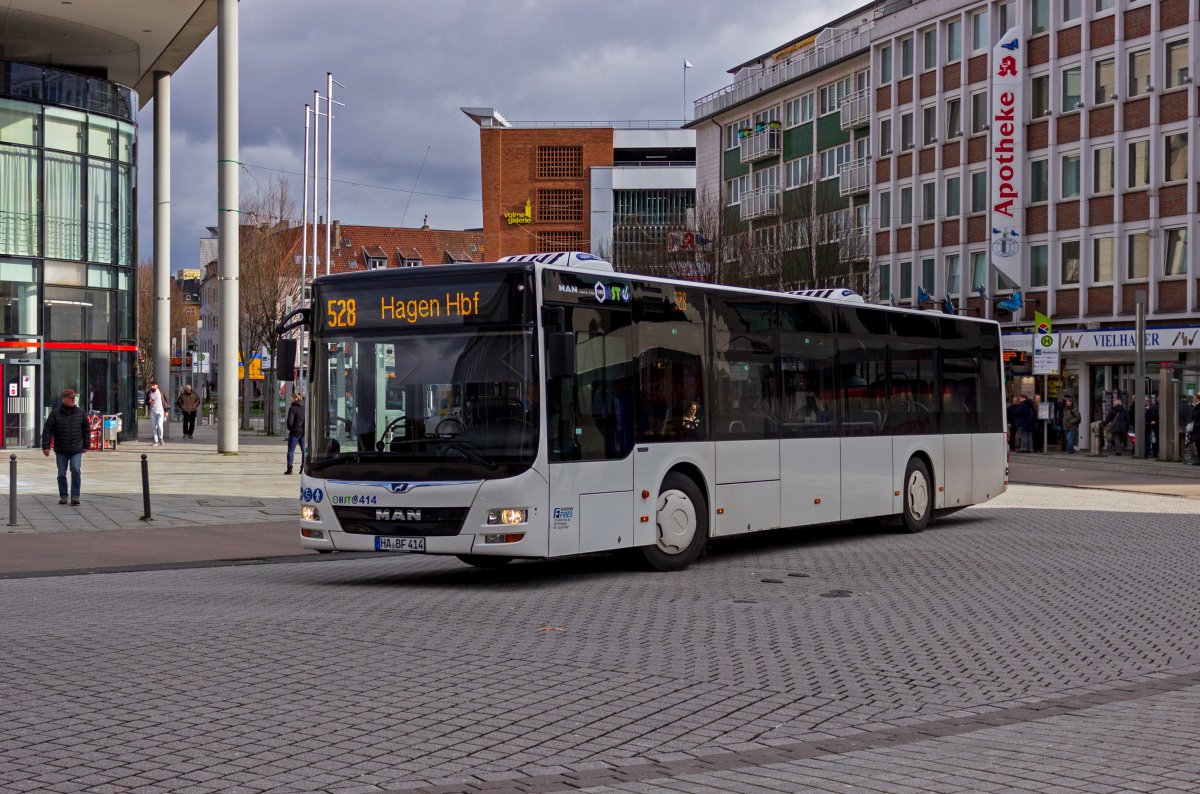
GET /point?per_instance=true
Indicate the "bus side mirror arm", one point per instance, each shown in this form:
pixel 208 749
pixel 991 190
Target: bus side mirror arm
pixel 561 354
pixel 294 319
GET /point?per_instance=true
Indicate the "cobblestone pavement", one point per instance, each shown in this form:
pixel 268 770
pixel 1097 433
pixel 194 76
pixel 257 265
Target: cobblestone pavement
pixel 1046 641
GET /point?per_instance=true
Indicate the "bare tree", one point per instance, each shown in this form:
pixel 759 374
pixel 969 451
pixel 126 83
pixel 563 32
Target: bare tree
pixel 145 322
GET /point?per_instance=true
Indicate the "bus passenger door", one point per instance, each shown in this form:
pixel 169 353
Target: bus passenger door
pixel 590 424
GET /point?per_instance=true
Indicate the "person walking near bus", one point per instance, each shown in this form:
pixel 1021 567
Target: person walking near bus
pixel 157 408
pixel 189 403
pixel 1070 423
pixel 1117 422
pixel 295 428
pixel 1195 423
pixel 1151 446
pixel 67 426
pixel 1023 419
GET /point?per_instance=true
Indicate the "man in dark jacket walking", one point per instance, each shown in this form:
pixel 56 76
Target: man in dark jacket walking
pixel 189 403
pixel 295 428
pixel 68 426
pixel 1117 422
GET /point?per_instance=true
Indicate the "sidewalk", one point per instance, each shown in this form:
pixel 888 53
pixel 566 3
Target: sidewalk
pixel 204 506
pixel 1110 472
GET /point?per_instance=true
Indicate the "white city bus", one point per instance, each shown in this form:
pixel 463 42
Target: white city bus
pixel 539 409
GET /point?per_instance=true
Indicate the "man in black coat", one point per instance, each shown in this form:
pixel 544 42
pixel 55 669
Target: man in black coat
pixel 68 426
pixel 295 428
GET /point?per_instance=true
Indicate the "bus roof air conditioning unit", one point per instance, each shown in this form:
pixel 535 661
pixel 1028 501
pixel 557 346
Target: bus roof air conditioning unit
pixel 563 259
pixel 848 295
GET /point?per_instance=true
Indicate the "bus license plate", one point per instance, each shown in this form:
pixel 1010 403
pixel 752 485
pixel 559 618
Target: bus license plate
pixel 400 544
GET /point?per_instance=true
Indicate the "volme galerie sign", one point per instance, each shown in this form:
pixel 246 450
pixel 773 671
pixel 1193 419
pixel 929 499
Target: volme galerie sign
pixel 1007 153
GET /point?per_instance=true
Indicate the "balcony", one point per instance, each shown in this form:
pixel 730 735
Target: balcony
pixel 856 110
pixel 761 202
pixel 854 177
pixel 854 244
pixel 832 45
pixel 761 144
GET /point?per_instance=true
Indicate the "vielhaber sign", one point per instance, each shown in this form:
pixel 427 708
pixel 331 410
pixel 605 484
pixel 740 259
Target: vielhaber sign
pixel 1045 346
pixel 1008 154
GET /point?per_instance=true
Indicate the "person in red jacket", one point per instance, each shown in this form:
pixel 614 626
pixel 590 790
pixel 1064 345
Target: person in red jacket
pixel 68 426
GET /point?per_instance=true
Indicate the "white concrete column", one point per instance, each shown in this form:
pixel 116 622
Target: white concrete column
pixel 162 231
pixel 228 204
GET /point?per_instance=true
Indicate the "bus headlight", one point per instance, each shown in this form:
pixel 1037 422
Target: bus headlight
pixel 309 513
pixel 507 515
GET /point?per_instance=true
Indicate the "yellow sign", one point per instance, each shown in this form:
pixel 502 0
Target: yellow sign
pixel 457 304
pixel 786 52
pixel 256 372
pixel 520 217
pixel 189 274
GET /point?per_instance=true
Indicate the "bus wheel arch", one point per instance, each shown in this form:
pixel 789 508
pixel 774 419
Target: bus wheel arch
pixel 918 493
pixel 681 520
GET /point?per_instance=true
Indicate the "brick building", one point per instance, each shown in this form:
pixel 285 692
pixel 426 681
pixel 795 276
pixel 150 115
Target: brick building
pixel 616 189
pixel 1108 108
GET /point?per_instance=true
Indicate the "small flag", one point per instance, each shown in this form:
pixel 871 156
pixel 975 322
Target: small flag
pixel 688 65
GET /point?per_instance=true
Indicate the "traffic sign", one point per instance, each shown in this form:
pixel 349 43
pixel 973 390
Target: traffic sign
pixel 1045 346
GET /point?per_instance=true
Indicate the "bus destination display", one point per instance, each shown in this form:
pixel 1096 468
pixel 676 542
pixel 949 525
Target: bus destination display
pixel 418 305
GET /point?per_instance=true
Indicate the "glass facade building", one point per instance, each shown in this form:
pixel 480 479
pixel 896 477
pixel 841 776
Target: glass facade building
pixel 68 145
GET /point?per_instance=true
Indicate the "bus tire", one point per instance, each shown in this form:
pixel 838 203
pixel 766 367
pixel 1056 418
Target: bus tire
pixel 680 523
pixel 484 560
pixel 917 492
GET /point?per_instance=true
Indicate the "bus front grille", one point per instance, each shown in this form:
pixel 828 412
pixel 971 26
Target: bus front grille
pixel 420 521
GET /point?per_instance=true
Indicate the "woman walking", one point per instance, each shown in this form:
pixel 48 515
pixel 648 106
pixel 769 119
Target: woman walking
pixel 157 408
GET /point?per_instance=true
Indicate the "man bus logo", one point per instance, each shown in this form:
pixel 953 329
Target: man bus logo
pixel 614 292
pixel 399 514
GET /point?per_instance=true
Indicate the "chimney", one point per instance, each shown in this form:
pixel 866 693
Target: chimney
pixel 425 224
pixel 337 234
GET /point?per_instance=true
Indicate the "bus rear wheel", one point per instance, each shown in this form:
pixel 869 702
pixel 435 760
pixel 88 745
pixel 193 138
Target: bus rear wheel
pixel 681 525
pixel 918 496
pixel 484 560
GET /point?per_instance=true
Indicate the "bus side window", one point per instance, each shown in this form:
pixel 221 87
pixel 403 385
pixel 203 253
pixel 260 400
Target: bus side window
pixel 670 366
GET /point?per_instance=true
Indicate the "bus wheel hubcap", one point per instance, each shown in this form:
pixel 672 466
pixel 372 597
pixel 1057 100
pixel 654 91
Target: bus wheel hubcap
pixel 918 495
pixel 676 521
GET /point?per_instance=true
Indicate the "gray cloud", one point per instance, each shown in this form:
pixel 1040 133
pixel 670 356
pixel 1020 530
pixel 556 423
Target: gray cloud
pixel 409 66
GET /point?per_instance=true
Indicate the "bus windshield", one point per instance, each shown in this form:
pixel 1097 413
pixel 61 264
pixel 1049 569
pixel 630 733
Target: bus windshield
pixel 425 406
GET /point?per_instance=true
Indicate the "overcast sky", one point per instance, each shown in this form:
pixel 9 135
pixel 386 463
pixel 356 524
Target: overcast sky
pixel 409 66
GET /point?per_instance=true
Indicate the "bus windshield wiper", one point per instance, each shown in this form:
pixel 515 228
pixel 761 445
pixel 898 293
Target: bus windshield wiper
pixel 467 450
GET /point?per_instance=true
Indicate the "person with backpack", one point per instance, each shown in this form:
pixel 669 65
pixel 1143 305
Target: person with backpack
pixel 295 428
pixel 1117 423
pixel 156 406
pixel 67 427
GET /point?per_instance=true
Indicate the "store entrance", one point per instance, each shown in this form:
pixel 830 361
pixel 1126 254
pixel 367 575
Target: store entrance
pixel 19 426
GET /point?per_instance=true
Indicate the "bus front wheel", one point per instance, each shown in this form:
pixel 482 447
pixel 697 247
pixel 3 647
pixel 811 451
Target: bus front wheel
pixel 681 525
pixel 918 496
pixel 484 560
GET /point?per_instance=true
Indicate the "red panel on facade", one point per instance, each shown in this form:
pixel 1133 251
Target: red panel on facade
pixel 883 170
pixel 1068 41
pixel 1066 215
pixel 904 91
pixel 1102 33
pixel 1039 50
pixel 925 236
pixel 883 243
pixel 950 230
pixel 950 154
pixel 904 165
pixel 1137 22
pixel 976 229
pixel 977 149
pixel 1066 303
pixel 977 69
pixel 1172 14
pixel 1172 295
pixel 1100 301
pixel 927 160
pixel 1136 205
pixel 928 83
pixel 1137 113
pixel 883 97
pixel 903 240
pixel 1100 121
pixel 951 77
pixel 1173 106
pixel 1100 211
pixel 1035 219
pixel 1172 200
pixel 1068 128
pixel 1037 135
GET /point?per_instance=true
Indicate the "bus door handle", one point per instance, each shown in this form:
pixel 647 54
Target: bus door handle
pixel 643 449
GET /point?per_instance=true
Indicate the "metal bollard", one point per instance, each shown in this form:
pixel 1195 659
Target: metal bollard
pixel 12 490
pixel 145 488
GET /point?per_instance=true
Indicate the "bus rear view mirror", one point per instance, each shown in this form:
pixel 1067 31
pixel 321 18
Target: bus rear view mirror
pixel 285 359
pixel 562 354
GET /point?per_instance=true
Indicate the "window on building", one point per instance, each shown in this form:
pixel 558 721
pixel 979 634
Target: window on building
pixel 929 48
pixel 1069 260
pixel 906 287
pixel 1103 5
pixel 1137 255
pixel 928 201
pixel 1139 163
pixel 732 132
pixel 799 172
pixel 979 31
pixel 928 266
pixel 1103 175
pixel 1007 20
pixel 559 162
pixel 833 94
pixel 1040 11
pixel 906 131
pixel 885 137
pixel 953 40
pixel 885 281
pixel 906 208
pixel 1176 62
pixel 953 266
pixel 799 110
pixel 1102 259
pixel 885 209
pixel 1039 265
pixel 1039 181
pixel 979 191
pixel 765 116
pixel 1039 95
pixel 1175 260
pixel 1176 166
pixel 733 189
pixel 1070 175
pixel 953 118
pixel 1072 89
pixel 885 64
pixel 1071 10
pixel 978 269
pixel 1105 80
pixel 979 112
pixel 906 57
pixel 1139 73
pixel 560 204
pixel 929 125
pixel 953 196
pixel 833 159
